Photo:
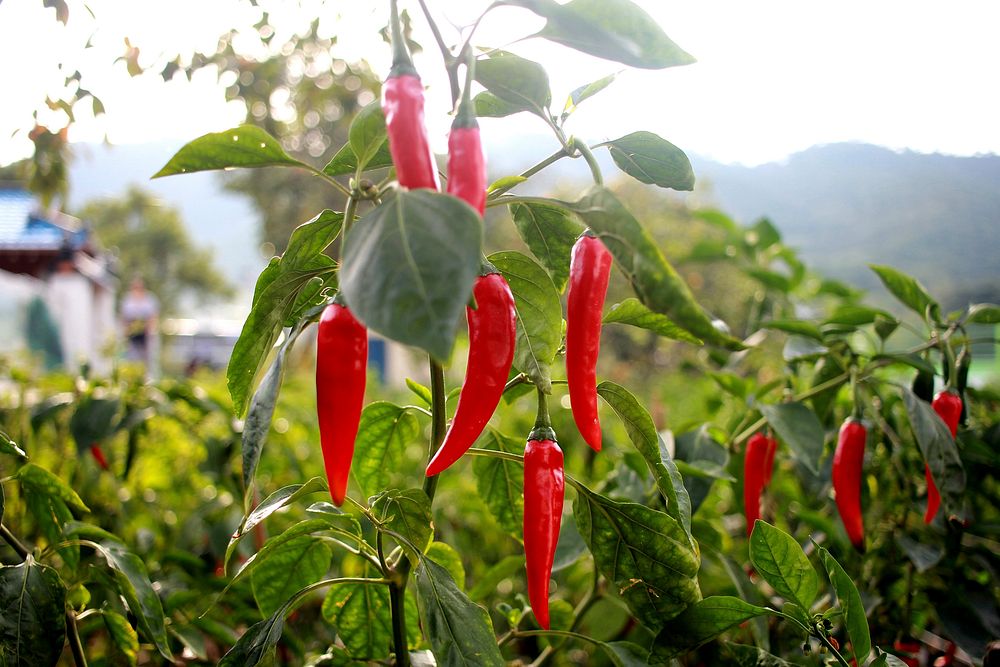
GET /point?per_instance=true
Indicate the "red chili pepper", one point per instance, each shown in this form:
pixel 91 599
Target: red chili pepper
pixel 948 406
pixel 848 460
pixel 544 488
pixel 98 454
pixel 466 161
pixel 589 271
pixel 403 106
pixel 754 477
pixel 341 369
pixel 772 448
pixel 492 327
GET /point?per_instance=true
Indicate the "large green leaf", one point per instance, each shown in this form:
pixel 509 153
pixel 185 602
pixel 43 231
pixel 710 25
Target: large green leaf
pixel 37 480
pixel 702 622
pixel 406 513
pixel 294 564
pixel 460 631
pixel 632 312
pixel 549 231
pixel 243 146
pixel 939 451
pixel 612 29
pixel 651 159
pixel 275 297
pixel 800 428
pixel 52 503
pixel 488 105
pixel 645 554
pixel 409 267
pixel 500 483
pixel 445 555
pixel 33 622
pixel 539 315
pixel 642 432
pixel 780 560
pixel 360 612
pixel 908 290
pixel 654 280
pixel 851 605
pixel 520 84
pixel 383 433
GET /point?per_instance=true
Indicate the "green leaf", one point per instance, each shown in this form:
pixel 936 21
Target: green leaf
pixel 924 556
pixel 460 631
pixel 94 420
pixel 743 655
pixel 9 447
pixel 586 91
pixel 294 564
pixel 799 428
pixel 642 432
pixel 653 160
pixel 409 267
pixel 549 232
pixel 906 359
pixel 780 560
pixel 367 132
pixel 763 234
pixel 855 315
pixel 851 605
pixel 123 636
pixel 539 315
pixel 360 612
pixel 632 312
pixel 701 623
pixel 488 105
pixel 654 280
pixel 700 450
pixel 33 622
pixel 797 327
pixel 345 162
pixel 444 555
pixel 908 290
pixel 383 434
pixel 645 555
pixel 939 451
pixel 275 298
pixel 625 654
pixel 258 642
pixel 36 480
pixel 984 313
pixel 505 182
pixel 612 29
pixel 570 548
pixel 243 146
pixel 408 513
pixel 520 83
pixel 500 483
pixel 420 391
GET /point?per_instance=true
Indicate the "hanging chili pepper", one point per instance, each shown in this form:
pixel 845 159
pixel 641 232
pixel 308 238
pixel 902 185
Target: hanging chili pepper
pixel 589 271
pixel 492 327
pixel 98 454
pixel 341 368
pixel 544 490
pixel 466 161
pixel 948 405
pixel 755 476
pixel 848 472
pixel 403 106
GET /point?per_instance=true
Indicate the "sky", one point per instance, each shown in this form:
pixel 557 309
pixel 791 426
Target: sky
pixel 773 77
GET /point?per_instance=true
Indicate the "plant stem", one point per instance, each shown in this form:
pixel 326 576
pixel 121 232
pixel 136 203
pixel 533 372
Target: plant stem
pixel 836 654
pixel 397 601
pixel 528 173
pixel 75 643
pixel 585 151
pixel 439 422
pixel 14 543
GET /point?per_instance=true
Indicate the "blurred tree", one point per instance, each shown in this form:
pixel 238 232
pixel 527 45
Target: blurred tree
pixel 151 241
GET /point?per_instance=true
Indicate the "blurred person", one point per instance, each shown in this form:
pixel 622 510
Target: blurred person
pixel 139 313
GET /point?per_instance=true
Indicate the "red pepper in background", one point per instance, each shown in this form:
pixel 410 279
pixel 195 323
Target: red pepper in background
pixel 848 460
pixel 403 106
pixel 98 454
pixel 544 488
pixel 772 448
pixel 755 476
pixel 948 406
pixel 589 271
pixel 341 370
pixel 492 327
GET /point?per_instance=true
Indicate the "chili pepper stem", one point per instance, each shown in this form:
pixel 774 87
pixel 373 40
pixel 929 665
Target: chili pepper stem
pixel 585 151
pixel 397 596
pixel 73 637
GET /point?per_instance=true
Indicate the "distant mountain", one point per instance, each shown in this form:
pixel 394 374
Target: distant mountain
pixel 844 206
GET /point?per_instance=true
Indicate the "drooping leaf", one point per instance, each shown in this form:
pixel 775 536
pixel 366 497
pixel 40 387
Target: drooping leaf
pixel 500 483
pixel 851 605
pixel 539 315
pixel 294 564
pixel 445 555
pixel 123 636
pixel 645 554
pixel 797 327
pixel 700 623
pixel 383 433
pixel 632 312
pixel 409 267
pixel 939 451
pixel 243 146
pixel 519 83
pixel 33 622
pixel 360 612
pixel 799 428
pixel 780 560
pixel 549 231
pixel 460 631
pixel 653 160
pixel 37 480
pixel 908 290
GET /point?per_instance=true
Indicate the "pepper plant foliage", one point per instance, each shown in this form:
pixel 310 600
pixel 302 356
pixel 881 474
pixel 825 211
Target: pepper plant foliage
pixel 648 531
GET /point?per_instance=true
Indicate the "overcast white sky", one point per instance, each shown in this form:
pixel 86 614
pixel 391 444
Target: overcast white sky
pixel 773 77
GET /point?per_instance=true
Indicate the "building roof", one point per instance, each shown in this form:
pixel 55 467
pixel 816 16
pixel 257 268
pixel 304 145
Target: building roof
pixel 23 226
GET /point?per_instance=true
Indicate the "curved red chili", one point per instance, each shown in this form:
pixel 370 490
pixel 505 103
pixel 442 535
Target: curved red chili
pixel 754 475
pixel 848 462
pixel 544 489
pixel 492 327
pixel 403 106
pixel 948 406
pixel 341 370
pixel 589 271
